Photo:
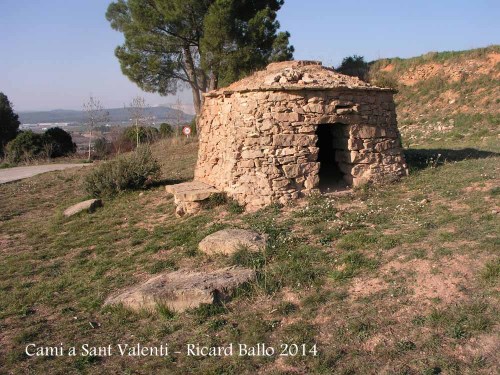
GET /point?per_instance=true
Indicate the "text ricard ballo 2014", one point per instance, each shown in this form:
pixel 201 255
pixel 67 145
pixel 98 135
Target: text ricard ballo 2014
pixel 164 350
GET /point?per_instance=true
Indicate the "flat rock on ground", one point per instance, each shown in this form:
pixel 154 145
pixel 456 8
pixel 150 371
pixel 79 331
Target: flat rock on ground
pixel 89 205
pixel 189 196
pixel 192 191
pixel 228 241
pixel 183 289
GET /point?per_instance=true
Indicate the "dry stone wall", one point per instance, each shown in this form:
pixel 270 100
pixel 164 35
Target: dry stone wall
pixel 260 146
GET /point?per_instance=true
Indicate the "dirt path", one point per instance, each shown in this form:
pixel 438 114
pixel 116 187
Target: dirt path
pixel 18 173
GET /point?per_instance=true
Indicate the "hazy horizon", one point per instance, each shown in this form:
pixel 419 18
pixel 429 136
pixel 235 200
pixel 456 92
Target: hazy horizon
pixel 81 109
pixel 62 53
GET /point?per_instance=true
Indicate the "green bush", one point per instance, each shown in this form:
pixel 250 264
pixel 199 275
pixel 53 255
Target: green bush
pixel 133 171
pixel 166 130
pixel 59 141
pixel 25 146
pixel 102 148
pixel 147 134
pixel 354 66
pixel 215 200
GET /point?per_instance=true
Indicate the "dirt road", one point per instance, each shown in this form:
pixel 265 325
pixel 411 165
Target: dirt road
pixel 18 173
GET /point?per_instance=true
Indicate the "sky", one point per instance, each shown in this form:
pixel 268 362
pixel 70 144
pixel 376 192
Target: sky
pixel 54 54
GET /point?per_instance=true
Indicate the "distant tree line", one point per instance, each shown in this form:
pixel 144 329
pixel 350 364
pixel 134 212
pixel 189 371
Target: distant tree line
pixel 16 145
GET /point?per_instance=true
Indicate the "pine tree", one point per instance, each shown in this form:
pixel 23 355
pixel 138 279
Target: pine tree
pixel 354 66
pixel 202 43
pixel 9 122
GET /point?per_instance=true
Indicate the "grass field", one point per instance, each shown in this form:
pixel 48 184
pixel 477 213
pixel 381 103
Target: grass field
pixel 396 279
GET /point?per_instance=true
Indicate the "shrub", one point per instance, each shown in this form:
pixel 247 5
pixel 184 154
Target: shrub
pixel 133 171
pixel 60 142
pixel 147 134
pixel 166 130
pixel 384 79
pixel 354 66
pixel 25 146
pixel 102 148
pixel 234 207
pixel 215 200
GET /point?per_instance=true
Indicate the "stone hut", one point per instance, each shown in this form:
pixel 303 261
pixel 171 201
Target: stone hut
pixel 296 128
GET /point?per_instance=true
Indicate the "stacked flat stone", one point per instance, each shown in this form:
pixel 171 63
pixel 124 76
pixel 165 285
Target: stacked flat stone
pixel 258 136
pixel 189 196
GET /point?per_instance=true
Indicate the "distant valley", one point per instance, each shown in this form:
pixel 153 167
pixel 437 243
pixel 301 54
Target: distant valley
pixel 117 116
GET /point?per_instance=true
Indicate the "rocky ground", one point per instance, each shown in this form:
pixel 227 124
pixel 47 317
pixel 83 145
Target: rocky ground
pixel 446 96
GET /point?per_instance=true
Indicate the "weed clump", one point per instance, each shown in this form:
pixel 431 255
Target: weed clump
pixel 134 171
pixel 165 312
pixel 352 263
pixel 234 207
pixel 491 271
pixel 215 200
pixel 286 308
pixel 208 310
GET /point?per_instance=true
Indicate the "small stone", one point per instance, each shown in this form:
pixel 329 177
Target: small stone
pixel 344 111
pixel 185 208
pixel 424 201
pixel 283 80
pixel 251 154
pixel 228 241
pixel 306 78
pixel 88 205
pixel 291 170
pixel 280 183
pixel 269 80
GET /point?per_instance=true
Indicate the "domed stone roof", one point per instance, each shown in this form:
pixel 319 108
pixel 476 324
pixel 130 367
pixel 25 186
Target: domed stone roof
pixel 296 75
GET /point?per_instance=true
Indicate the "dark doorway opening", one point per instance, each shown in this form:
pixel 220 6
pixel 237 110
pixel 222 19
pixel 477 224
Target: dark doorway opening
pixel 330 142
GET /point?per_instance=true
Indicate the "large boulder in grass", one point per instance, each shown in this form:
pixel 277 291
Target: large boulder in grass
pixel 228 241
pixel 88 205
pixel 183 289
